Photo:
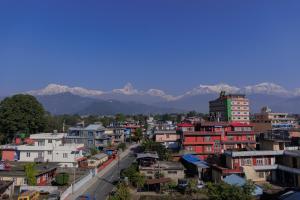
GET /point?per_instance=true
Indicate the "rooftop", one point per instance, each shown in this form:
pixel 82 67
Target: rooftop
pixel 47 136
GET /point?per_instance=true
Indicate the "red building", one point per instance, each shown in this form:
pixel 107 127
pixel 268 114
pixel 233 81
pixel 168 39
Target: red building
pixel 209 138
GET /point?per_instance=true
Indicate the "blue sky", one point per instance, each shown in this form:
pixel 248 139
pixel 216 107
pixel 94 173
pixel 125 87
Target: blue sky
pixel 173 45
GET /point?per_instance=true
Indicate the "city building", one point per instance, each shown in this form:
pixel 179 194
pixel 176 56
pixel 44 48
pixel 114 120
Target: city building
pixel 230 108
pixel 97 160
pixel 152 168
pixel 91 136
pixel 211 138
pixel 49 147
pixel 116 135
pixel 268 120
pixel 169 138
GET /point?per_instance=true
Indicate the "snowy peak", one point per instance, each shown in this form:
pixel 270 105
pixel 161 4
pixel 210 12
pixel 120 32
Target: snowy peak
pixel 128 89
pixel 53 89
pixel 266 88
pixel 212 89
pixel 162 94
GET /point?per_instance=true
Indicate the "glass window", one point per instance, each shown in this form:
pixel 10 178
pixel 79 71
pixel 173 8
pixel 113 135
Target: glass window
pixel 65 155
pixel 49 141
pixel 28 154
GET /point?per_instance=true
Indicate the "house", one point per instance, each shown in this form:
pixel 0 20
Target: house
pixel 97 160
pixel 258 166
pixel 116 135
pixel 195 166
pixel 169 138
pixel 166 169
pixel 6 189
pixel 268 120
pixel 49 147
pixel 207 139
pixel 91 136
pixel 45 173
pixel 236 180
pixel 9 153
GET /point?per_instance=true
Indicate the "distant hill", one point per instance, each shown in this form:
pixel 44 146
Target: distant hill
pixel 67 103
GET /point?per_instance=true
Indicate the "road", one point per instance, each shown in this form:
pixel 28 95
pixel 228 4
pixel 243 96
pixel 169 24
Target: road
pixel 104 185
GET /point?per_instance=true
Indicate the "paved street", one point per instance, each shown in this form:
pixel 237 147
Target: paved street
pixel 105 184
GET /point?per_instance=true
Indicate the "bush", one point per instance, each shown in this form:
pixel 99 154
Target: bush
pixel 62 179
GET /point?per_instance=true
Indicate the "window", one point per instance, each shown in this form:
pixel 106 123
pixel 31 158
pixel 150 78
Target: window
pixel 261 174
pixel 208 149
pixel 49 152
pixel 41 143
pixel 207 138
pixel 28 154
pixel 65 155
pixel 172 172
pixel 168 135
pixel 246 161
pixel 49 141
pixel 259 161
pixel 230 138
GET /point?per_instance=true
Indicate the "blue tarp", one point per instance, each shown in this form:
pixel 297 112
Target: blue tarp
pixel 195 160
pixel 240 181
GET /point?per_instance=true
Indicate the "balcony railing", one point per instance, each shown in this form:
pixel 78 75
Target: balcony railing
pixel 198 142
pixel 202 133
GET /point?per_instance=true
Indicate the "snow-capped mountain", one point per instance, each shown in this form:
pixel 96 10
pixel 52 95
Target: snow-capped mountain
pixel 211 89
pixel 53 89
pixel 262 94
pixel 267 88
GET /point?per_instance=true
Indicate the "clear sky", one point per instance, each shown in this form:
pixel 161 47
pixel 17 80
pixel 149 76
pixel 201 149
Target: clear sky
pixel 172 45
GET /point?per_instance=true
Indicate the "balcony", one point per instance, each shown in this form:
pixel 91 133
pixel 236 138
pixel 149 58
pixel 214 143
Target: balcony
pixel 239 142
pixel 201 133
pixel 198 142
pixel 240 133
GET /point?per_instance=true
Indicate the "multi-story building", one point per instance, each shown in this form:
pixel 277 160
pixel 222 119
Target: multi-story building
pixel 230 108
pixel 91 136
pixel 267 120
pixel 49 147
pixel 169 138
pixel 116 135
pixel 209 138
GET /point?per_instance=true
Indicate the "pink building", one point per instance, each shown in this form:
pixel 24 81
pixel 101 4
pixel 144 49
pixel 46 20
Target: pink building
pixel 169 138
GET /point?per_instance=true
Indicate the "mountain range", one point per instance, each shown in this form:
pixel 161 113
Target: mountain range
pixel 62 99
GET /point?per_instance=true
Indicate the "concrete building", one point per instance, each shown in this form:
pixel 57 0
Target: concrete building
pixel 267 119
pixel 211 138
pixel 49 147
pixel 230 108
pixel 169 138
pixel 152 168
pixel 6 189
pixel 91 136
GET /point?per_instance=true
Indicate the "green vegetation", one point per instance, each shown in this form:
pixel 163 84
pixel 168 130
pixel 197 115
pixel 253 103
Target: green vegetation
pixel 21 113
pixel 30 174
pixel 223 191
pixel 122 146
pixel 122 193
pixel 94 151
pixel 138 136
pixel 62 179
pixel 134 176
pixel 161 150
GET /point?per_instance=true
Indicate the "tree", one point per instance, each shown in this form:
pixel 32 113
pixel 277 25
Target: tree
pixel 122 193
pixel 223 191
pixel 120 117
pixel 161 150
pixel 21 113
pixel 30 174
pixel 138 135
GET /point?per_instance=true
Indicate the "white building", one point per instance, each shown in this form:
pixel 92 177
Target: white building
pixel 49 147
